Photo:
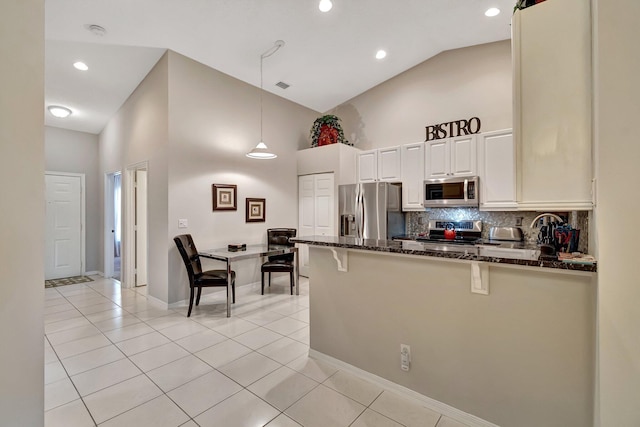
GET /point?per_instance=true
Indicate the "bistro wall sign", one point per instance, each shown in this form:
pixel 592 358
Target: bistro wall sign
pixel 451 129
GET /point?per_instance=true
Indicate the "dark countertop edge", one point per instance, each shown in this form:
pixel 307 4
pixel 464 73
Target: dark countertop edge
pixel 388 246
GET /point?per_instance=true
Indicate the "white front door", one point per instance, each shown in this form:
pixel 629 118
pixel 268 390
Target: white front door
pixel 63 240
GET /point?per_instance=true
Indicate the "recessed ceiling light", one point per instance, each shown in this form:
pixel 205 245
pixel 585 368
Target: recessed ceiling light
pixel 80 66
pixel 381 54
pixel 59 111
pixel 492 11
pixel 325 5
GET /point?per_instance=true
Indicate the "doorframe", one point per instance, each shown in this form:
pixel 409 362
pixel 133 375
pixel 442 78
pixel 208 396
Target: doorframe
pixel 127 268
pixel 83 226
pixel 108 222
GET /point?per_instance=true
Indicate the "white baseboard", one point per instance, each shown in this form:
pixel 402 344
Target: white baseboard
pixel 158 302
pixel 93 273
pixel 435 405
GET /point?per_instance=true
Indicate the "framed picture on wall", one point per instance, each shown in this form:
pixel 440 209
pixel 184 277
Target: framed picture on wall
pixel 255 210
pixel 225 197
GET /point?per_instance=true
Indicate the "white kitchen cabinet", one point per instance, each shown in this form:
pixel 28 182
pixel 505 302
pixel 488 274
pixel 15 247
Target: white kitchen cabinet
pixel 551 45
pixel 451 157
pixel 496 169
pixel 389 164
pixel 379 165
pixel 412 161
pixel 368 166
pixel 316 210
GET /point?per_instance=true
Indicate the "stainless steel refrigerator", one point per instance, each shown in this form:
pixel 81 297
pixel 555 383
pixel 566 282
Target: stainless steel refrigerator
pixel 371 210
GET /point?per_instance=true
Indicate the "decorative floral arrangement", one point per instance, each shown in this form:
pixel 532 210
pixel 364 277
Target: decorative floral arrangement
pixel 327 130
pixel 523 4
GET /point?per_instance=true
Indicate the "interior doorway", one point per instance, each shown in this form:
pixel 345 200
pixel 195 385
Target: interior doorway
pixel 64 225
pixel 113 225
pixel 135 238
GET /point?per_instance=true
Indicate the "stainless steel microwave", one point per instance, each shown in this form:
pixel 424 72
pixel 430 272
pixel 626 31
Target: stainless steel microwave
pixel 451 192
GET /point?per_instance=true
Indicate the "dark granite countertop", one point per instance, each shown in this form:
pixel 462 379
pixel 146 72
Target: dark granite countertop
pixel 410 247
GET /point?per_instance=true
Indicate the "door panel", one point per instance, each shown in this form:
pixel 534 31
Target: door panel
pixel 306 219
pixel 141 227
pixel 463 153
pixel 389 164
pixel 437 159
pixel 324 204
pixel 368 166
pixel 316 211
pixel 374 208
pixel 63 240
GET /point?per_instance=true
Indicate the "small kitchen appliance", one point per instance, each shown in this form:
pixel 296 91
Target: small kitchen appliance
pixel 452 192
pixel 510 234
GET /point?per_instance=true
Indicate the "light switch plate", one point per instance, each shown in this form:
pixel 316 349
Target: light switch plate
pixel 183 223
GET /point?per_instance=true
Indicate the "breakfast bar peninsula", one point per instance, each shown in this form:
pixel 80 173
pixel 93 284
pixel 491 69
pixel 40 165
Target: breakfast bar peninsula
pixel 493 341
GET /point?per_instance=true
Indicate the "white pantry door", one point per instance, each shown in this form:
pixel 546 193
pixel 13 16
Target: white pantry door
pixel 306 221
pixel 63 240
pixel 324 204
pixel 316 209
pixel 141 227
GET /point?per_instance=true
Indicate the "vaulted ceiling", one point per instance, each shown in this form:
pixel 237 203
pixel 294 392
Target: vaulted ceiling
pixel 328 58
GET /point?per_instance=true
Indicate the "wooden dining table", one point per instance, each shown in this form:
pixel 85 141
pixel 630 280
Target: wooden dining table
pixel 251 251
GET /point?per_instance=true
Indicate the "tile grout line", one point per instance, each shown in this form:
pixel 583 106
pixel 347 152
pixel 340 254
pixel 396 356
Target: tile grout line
pixel 72 383
pixel 258 326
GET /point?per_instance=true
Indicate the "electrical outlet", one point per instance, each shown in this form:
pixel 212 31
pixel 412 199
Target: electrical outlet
pixel 405 357
pixel 183 223
pixel 519 221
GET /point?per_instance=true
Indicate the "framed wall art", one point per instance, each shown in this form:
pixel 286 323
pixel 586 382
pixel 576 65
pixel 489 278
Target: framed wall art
pixel 255 210
pixel 225 197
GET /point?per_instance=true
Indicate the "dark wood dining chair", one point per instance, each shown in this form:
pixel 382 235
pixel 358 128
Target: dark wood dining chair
pixel 279 263
pixel 199 279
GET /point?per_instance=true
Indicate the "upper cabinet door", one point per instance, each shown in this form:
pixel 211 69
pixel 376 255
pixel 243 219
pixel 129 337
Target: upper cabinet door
pixel 551 47
pixel 389 164
pixel 437 159
pixel 413 176
pixel 496 168
pixel 368 166
pixel 463 156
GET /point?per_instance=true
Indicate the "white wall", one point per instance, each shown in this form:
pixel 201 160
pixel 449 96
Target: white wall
pixel 617 108
pixel 22 225
pixel 456 84
pixel 137 133
pixel 194 125
pixel 214 120
pixel 77 152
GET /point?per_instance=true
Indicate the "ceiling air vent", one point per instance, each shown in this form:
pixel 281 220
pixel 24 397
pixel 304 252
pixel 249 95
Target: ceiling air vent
pixel 282 85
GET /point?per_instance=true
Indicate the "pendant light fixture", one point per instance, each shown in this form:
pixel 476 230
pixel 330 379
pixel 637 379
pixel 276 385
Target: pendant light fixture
pixel 261 151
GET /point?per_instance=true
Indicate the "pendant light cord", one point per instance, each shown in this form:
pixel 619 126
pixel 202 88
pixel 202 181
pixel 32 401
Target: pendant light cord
pixel 278 44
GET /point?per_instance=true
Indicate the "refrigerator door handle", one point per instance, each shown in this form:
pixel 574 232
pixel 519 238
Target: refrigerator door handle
pixel 358 212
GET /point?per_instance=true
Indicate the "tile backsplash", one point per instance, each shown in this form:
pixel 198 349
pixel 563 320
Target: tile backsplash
pixel 416 222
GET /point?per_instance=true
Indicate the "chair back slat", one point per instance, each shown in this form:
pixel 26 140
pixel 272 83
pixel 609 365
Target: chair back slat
pixel 281 236
pixel 189 255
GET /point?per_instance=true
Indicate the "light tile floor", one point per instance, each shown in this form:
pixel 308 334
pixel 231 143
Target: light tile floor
pixel 114 358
